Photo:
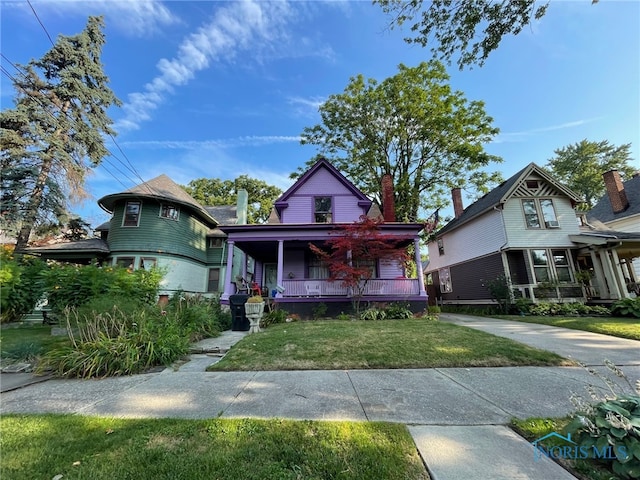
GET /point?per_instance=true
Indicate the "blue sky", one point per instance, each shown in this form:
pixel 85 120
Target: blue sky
pixel 220 89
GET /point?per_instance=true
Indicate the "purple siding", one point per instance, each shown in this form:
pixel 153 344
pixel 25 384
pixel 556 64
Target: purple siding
pixel 300 207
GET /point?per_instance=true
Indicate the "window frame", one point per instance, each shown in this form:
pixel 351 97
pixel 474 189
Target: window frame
pixel 444 279
pixel 126 222
pixel 544 212
pixel 440 243
pixel 125 261
pixel 165 208
pixel 551 265
pixel 217 281
pixel 143 260
pixel 212 240
pixel 327 213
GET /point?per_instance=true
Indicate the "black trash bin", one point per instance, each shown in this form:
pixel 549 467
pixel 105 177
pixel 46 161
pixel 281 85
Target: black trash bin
pixel 239 320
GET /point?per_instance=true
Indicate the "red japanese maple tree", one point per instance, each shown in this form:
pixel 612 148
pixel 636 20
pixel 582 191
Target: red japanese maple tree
pixel 352 250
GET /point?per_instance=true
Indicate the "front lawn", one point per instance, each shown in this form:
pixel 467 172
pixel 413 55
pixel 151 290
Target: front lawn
pixel 25 343
pixel 615 326
pixel 415 343
pixel 74 447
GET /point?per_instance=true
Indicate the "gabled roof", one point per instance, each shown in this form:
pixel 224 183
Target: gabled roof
pixel 502 193
pixel 281 202
pixel 604 212
pixel 160 188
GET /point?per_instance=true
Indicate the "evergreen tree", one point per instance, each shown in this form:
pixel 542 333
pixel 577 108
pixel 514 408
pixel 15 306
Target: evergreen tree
pixel 54 134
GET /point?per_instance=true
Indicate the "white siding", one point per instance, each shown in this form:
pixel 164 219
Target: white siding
pixel 479 237
pixel 519 236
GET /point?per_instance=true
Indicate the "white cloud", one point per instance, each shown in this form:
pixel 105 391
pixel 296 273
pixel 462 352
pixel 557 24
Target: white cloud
pixel 246 141
pixel 306 106
pixel 236 27
pixel 132 17
pixel 523 135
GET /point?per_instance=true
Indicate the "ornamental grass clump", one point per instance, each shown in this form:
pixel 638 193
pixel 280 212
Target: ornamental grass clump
pixel 116 343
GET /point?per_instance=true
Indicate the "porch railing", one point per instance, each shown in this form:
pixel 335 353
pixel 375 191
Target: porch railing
pixel 325 288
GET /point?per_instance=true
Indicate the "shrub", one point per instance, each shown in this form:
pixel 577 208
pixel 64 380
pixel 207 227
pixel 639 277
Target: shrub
pixel 433 309
pixel 319 310
pixel 343 316
pixel 72 285
pixel 397 311
pixel 598 310
pixel 612 426
pixel 501 291
pixel 627 307
pixel 197 316
pixel 271 318
pixel 373 313
pixel 20 285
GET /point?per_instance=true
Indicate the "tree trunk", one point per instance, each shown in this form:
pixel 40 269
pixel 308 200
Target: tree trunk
pixel 33 206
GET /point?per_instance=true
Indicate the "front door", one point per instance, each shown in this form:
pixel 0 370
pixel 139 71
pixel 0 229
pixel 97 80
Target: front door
pixel 270 277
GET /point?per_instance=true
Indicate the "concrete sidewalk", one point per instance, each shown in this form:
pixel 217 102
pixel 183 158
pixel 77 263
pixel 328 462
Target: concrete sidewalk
pixel 586 347
pixel 457 416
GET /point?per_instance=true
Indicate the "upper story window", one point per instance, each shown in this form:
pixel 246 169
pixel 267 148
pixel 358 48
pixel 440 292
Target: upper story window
pixel 539 213
pixel 169 211
pixel 440 246
pixel 322 209
pixel 131 214
pixel 215 242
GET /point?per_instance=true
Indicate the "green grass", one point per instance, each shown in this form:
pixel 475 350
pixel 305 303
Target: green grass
pixel 416 343
pixel 585 469
pixel 28 342
pixel 615 326
pixel 43 446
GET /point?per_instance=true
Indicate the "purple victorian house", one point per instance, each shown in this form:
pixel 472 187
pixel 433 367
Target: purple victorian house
pixel 286 270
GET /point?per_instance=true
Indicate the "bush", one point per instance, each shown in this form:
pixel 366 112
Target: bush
pixel 20 285
pixel 197 316
pixel 319 310
pixel 271 318
pixel 72 285
pixel 613 426
pixel 397 311
pixel 373 313
pixel 627 307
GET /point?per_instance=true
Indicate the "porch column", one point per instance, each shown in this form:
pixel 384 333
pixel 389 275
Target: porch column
pixel 609 272
pixel 228 272
pixel 619 275
pixel 280 265
pixel 416 247
pixel 600 279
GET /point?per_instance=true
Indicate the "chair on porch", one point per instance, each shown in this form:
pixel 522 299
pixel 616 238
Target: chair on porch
pixel 241 285
pixel 313 289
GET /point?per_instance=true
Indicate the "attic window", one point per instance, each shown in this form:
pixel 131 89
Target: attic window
pixel 532 184
pixel 322 210
pixel 169 211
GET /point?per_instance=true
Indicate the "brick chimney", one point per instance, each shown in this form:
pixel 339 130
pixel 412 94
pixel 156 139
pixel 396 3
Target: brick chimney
pixel 456 195
pixel 615 190
pixel 388 202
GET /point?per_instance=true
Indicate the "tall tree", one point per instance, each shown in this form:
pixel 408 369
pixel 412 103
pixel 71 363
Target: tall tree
pixel 472 28
pixel 216 192
pixel 580 167
pixel 413 127
pixel 54 134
